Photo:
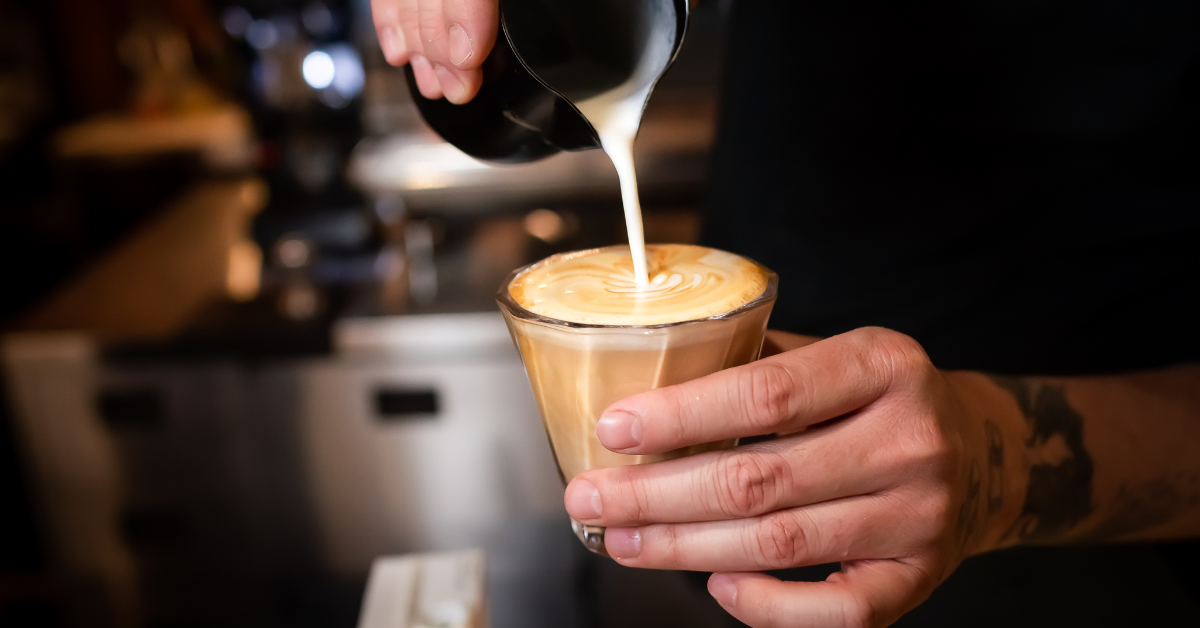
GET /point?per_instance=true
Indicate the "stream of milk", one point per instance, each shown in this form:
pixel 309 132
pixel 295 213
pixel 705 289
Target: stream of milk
pixel 616 119
pixel 616 116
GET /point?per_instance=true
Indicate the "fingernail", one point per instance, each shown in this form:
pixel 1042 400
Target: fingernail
pixel 391 40
pixel 623 542
pixel 461 46
pixel 583 501
pixel 451 86
pixel 722 588
pixel 427 80
pixel 618 430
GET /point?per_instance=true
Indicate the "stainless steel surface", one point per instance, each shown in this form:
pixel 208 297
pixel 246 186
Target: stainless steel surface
pixel 432 175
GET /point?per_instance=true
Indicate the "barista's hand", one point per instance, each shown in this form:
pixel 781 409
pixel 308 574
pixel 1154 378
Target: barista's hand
pixel 444 40
pixel 883 463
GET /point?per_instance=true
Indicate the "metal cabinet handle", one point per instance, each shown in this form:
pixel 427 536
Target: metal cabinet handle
pixel 406 404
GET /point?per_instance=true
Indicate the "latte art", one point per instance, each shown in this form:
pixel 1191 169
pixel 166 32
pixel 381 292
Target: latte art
pixel 599 287
pixel 663 284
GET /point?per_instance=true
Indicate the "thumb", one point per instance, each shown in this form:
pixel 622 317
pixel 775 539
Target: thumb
pixel 864 594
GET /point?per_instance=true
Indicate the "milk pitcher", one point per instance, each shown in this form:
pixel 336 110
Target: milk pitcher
pixel 551 55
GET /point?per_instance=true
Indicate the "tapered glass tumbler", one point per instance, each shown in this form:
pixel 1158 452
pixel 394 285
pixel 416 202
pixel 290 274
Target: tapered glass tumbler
pixel 578 370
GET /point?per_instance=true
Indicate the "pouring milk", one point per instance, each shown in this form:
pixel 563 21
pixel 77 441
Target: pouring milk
pixel 616 116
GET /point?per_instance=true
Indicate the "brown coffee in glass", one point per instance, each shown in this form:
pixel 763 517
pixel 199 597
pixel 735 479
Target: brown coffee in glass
pixel 590 336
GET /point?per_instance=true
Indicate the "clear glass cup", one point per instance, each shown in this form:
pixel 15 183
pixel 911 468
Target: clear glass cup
pixel 577 370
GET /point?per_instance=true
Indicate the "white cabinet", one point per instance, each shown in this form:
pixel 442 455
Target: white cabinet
pixel 427 438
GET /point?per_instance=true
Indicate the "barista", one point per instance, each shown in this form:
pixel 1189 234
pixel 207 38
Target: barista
pixel 1009 190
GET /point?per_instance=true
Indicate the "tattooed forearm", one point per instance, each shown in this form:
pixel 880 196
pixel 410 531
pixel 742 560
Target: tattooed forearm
pixel 1059 492
pixel 1146 505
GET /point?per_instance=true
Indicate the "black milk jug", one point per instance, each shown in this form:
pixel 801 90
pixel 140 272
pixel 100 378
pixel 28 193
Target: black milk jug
pixel 550 54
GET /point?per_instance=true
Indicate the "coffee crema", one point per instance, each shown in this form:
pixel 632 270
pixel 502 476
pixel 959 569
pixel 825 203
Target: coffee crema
pixel 598 287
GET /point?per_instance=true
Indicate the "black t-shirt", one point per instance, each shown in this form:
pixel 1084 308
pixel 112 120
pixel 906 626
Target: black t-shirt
pixel 1016 184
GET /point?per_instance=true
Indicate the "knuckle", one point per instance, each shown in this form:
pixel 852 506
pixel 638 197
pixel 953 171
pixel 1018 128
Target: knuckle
pixel 669 549
pixel 769 388
pixel 430 35
pixel 929 447
pixel 407 14
pixel 750 482
pixel 410 28
pixel 636 499
pixel 774 612
pixel 904 355
pixel 926 455
pixel 859 612
pixel 430 24
pixel 384 12
pixel 932 446
pixel 940 505
pixel 678 419
pixel 898 349
pixel 780 542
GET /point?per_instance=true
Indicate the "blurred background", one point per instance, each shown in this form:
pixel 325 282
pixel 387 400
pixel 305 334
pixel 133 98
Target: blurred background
pixel 249 336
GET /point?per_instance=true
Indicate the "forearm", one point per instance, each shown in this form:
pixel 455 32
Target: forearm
pixel 1090 459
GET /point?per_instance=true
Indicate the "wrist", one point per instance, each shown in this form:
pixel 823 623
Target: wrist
pixel 994 436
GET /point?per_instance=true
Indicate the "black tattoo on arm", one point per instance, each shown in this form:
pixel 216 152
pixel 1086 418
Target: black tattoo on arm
pixel 968 512
pixel 1059 493
pixel 1145 505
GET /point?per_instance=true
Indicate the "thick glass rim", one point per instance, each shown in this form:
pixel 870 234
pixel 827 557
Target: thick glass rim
pixel 510 305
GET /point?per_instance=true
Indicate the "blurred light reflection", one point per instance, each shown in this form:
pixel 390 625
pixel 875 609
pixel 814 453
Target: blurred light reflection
pixel 318 69
pixel 262 34
pixel 236 20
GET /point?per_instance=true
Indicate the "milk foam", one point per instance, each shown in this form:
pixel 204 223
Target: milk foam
pixel 599 287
